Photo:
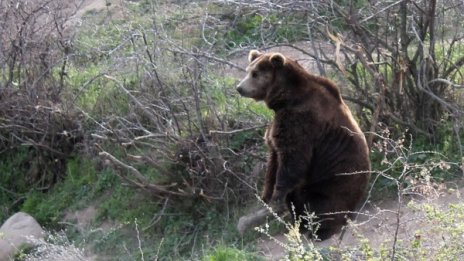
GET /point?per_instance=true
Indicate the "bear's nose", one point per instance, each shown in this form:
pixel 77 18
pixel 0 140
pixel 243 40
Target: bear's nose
pixel 240 90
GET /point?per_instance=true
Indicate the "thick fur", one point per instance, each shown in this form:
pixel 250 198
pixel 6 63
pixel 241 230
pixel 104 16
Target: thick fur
pixel 318 156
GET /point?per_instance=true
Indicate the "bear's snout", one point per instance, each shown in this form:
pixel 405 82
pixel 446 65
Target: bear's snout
pixel 240 90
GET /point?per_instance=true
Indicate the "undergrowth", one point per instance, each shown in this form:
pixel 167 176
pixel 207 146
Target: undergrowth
pixel 109 71
pixel 129 223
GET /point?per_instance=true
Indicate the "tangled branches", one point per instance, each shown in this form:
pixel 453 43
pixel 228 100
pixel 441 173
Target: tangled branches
pixel 33 59
pixel 401 58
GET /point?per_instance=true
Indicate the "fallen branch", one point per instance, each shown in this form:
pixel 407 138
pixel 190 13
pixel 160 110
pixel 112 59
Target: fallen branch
pixel 141 181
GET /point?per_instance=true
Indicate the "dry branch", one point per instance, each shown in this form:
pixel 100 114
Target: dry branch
pixel 141 181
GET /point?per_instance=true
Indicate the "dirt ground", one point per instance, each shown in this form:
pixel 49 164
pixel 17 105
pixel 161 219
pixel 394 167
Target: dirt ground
pixel 380 224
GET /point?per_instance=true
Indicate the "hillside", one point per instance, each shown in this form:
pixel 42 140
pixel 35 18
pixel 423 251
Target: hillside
pixel 122 134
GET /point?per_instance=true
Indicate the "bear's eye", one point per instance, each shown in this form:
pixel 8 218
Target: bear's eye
pixel 254 74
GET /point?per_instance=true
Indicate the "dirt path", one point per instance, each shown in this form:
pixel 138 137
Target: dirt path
pixel 380 224
pixel 116 8
pixel 79 9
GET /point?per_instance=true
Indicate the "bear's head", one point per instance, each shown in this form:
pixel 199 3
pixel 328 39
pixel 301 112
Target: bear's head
pixel 271 77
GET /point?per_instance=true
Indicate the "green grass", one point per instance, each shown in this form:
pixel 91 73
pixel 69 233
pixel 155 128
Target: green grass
pixel 224 253
pixel 13 181
pixel 182 231
pixel 250 29
pixel 74 191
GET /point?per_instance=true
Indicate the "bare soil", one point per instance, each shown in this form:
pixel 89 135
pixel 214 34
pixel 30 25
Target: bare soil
pixel 379 224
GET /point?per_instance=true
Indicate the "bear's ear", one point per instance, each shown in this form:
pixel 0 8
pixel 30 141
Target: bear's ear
pixel 277 59
pixel 253 55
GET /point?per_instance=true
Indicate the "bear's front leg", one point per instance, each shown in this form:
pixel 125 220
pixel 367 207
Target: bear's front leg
pixel 270 177
pixel 290 174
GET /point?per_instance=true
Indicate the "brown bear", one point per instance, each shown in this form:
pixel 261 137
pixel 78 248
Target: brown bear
pixel 319 158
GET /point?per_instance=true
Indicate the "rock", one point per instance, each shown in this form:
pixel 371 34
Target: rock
pixel 14 234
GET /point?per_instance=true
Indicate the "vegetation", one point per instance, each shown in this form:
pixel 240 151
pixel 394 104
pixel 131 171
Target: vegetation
pixel 132 110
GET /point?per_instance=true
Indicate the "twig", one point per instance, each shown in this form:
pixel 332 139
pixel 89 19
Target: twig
pixel 139 240
pixel 381 11
pixel 236 131
pixel 447 82
pixel 209 57
pixel 158 216
pixel 397 227
pixel 142 181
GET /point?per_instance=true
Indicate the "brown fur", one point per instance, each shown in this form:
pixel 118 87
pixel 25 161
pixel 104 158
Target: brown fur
pixel 312 140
